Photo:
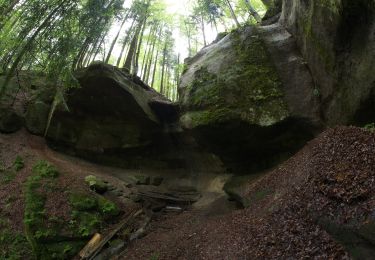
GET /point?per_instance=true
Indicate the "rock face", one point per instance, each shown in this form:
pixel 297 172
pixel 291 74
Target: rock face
pixel 337 40
pixel 10 121
pixel 234 100
pixel 273 8
pixel 110 112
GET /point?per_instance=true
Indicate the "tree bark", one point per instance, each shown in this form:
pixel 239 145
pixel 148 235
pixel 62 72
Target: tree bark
pixel 116 38
pixel 253 12
pixel 232 13
pixel 163 68
pixel 125 42
pixel 28 44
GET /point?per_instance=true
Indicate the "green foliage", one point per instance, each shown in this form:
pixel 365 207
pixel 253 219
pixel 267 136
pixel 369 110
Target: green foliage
pixel 34 208
pixel 9 174
pixel 370 127
pixel 107 208
pixel 44 231
pixel 82 202
pixel 89 212
pixel 154 256
pixel 44 169
pixel 18 163
pixel 13 245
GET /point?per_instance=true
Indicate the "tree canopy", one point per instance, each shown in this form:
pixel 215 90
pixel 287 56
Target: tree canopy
pixel 57 37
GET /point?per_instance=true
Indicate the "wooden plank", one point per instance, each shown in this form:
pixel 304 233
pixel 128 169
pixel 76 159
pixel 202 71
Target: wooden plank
pixel 91 246
pixel 114 232
pixel 97 243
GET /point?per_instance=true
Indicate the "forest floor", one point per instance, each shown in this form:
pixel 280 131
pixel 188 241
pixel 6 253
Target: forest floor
pixel 332 176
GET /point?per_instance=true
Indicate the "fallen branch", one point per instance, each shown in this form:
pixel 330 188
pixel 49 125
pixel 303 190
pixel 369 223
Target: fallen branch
pixel 96 249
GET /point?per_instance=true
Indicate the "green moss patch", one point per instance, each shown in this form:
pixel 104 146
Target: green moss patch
pixel 52 237
pixel 7 174
pixel 248 90
pixel 13 245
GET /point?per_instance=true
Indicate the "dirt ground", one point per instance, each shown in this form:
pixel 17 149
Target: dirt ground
pixel 332 177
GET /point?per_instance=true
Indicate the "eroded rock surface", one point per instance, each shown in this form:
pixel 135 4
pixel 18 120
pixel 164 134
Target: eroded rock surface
pixel 111 111
pixel 336 39
pixel 234 99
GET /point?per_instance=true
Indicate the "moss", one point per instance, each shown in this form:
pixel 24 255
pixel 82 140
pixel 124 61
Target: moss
pixel 44 169
pixel 83 202
pixel 96 184
pixel 54 238
pixel 13 245
pixel 89 211
pixel 333 6
pixel 249 90
pixel 319 46
pixel 34 216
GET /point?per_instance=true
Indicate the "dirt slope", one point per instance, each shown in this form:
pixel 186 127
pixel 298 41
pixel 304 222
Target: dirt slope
pixel 327 186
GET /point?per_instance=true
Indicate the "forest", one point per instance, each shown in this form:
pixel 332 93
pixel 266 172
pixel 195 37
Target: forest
pixel 187 129
pixel 58 37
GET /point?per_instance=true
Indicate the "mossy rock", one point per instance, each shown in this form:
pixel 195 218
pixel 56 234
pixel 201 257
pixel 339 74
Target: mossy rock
pixel 10 121
pixel 235 103
pixel 37 117
pixel 96 184
pixel 235 81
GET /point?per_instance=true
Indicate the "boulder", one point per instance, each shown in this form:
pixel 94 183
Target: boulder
pixel 10 121
pixel 96 184
pixel 110 112
pixel 337 41
pixel 36 117
pixel 234 100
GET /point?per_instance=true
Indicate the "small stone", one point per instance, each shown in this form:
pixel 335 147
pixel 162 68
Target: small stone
pixel 96 184
pixel 142 180
pixel 157 181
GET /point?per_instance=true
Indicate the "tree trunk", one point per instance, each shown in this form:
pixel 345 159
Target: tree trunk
pixel 97 48
pixel 203 31
pixel 150 59
pixel 125 42
pixel 116 38
pixel 163 68
pixel 136 58
pixel 232 13
pixel 28 44
pixel 154 69
pixel 146 54
pixel 253 12
pixel 132 49
pixel 7 10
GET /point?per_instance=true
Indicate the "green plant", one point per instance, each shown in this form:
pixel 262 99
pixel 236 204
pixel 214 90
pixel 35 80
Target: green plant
pixel 13 245
pixel 18 163
pixel 108 207
pixel 2 167
pixel 370 127
pixel 154 256
pixel 8 176
pixel 44 169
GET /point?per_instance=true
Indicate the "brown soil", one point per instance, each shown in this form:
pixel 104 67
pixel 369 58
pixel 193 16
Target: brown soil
pixel 72 173
pixel 333 176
